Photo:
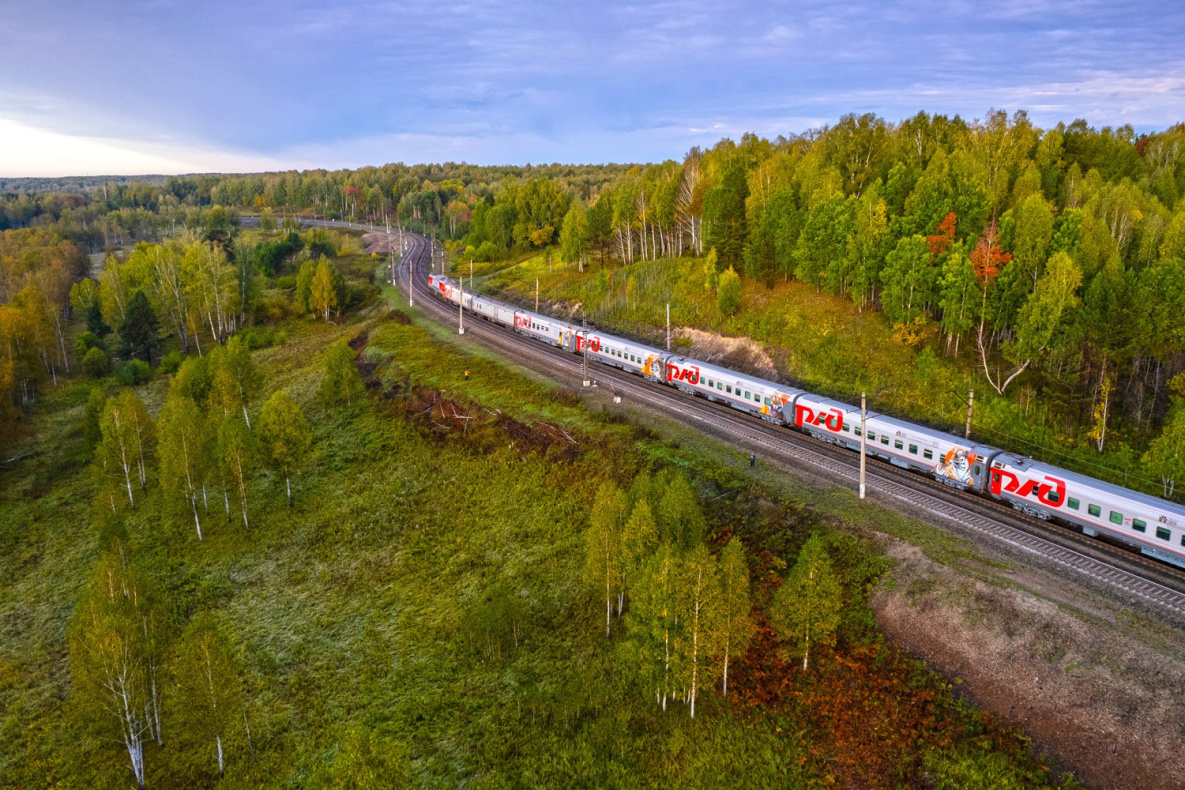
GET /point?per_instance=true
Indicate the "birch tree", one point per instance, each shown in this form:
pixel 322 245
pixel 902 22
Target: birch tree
pixel 117 458
pixel 323 293
pixel 603 560
pixel 213 287
pixel 236 454
pixel 286 436
pixel 806 608
pixel 234 379
pixel 209 686
pixel 342 381
pixel 638 542
pixel 733 626
pixel 184 451
pixel 653 623
pixel 114 657
pixel 698 596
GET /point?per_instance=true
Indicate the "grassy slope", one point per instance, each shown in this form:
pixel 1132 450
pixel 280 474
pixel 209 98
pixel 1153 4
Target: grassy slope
pixel 825 343
pixel 359 614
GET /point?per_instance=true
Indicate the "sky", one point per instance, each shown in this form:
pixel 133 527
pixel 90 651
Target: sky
pixel 93 87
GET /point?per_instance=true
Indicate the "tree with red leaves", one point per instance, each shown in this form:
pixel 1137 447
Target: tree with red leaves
pixel 940 242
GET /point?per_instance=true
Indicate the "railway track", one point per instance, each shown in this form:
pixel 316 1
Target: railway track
pixel 1133 577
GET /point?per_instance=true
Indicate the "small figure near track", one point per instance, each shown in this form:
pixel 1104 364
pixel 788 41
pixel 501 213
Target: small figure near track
pixel 467 375
pixel 752 460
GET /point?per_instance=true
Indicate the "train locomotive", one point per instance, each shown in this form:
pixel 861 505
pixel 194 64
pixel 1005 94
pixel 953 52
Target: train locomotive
pixel 1154 526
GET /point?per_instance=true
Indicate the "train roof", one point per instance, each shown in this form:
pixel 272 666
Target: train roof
pixel 725 373
pixel 627 342
pixel 1029 465
pixel 984 450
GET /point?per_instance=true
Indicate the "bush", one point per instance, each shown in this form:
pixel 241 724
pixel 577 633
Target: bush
pixel 86 341
pixel 263 337
pixel 286 282
pixel 728 293
pixel 96 363
pixel 170 362
pixel 133 372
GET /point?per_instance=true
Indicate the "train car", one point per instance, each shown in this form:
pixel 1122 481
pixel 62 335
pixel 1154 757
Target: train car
pixel 549 330
pixel 1153 525
pixel 825 419
pixel 766 399
pixel 624 354
pixel 948 459
pixel 493 310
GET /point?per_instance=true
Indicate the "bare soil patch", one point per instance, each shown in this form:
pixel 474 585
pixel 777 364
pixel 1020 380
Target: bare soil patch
pixel 711 346
pixel 1109 707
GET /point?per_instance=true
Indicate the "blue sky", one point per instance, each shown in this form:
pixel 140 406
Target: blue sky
pixel 134 87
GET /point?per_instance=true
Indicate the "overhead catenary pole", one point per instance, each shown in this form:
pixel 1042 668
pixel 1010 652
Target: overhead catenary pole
pixel 470 275
pixel 668 326
pixel 536 294
pixel 461 306
pixel 863 440
pixel 970 409
pixel 584 348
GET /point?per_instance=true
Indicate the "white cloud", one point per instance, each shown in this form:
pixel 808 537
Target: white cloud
pixel 29 151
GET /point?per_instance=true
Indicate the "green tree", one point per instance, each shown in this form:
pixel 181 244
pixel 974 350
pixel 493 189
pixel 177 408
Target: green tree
pixel 907 280
pixel 209 687
pixel 574 235
pixel 138 332
pixel 326 290
pixel 192 379
pixel 127 438
pixel 184 450
pixel 724 214
pixel 680 520
pixel 342 382
pixel 603 545
pixel 957 294
pixel 1045 313
pixel 734 626
pixel 728 292
pixel 638 542
pixel 115 644
pixel 92 431
pixel 234 378
pixel 304 285
pixel 806 608
pixel 237 451
pixel 1166 456
pixel 698 596
pixel 96 363
pixel 652 623
pixel 286 436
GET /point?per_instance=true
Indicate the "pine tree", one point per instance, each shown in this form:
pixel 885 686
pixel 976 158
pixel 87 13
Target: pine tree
pixel 138 332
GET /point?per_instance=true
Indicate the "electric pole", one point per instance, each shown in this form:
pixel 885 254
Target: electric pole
pixel 461 305
pixel 668 326
pixel 970 408
pixel 536 294
pixel 584 348
pixel 863 440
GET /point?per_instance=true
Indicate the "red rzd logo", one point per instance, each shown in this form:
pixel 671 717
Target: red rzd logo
pixel 593 344
pixel 831 420
pixel 1051 493
pixel 690 375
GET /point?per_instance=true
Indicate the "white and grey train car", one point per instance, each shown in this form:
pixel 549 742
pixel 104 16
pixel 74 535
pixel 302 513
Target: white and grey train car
pixel 1155 526
pixel 492 310
pixel 766 399
pixel 545 328
pixel 624 354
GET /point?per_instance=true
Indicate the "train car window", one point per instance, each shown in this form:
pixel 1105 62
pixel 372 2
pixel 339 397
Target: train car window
pixel 729 389
pixel 1054 497
pixel 847 428
pixel 928 454
pixel 1073 503
pixel 1116 518
pixel 978 470
pixel 1163 533
pixel 856 431
pixel 897 444
pixel 871 436
pixel 1094 510
pixel 719 386
pixel 884 439
pixel 748 395
pixel 1139 525
pixel 913 449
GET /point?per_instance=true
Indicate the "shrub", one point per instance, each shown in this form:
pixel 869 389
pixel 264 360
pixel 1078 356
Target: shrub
pixel 728 294
pixel 86 341
pixel 96 363
pixel 286 283
pixel 132 372
pixel 170 362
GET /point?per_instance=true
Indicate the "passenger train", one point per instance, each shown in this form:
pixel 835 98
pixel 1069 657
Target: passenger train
pixel 1155 526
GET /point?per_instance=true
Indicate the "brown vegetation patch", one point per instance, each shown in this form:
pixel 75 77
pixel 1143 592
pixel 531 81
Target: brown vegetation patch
pixel 1107 706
